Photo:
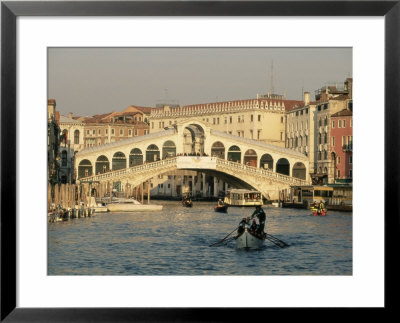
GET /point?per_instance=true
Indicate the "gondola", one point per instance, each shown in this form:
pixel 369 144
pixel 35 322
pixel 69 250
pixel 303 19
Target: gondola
pixel 249 240
pixel 221 208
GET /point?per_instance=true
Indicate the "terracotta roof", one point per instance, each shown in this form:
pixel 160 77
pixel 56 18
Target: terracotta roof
pixel 343 113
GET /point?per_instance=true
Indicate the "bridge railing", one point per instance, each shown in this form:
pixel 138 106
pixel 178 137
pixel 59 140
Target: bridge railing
pixel 261 171
pixel 126 171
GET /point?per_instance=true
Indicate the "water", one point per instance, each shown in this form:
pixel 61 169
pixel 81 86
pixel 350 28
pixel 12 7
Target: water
pixel 176 242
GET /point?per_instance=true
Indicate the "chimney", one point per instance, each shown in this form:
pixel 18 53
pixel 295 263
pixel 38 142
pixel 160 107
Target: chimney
pixel 306 98
pixel 51 108
pixel 70 115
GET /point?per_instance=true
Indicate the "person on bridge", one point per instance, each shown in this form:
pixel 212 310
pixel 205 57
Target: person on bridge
pixel 260 214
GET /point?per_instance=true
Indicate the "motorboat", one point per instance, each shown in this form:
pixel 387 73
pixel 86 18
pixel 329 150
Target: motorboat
pixel 129 205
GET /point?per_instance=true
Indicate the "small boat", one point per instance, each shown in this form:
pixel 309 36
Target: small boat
pixel 129 205
pixel 187 203
pixel 323 213
pixel 249 240
pixel 221 208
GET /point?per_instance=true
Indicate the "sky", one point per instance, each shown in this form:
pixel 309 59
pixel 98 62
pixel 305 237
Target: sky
pixel 89 81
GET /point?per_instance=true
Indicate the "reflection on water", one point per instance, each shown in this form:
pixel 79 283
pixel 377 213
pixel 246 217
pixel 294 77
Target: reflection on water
pixel 176 242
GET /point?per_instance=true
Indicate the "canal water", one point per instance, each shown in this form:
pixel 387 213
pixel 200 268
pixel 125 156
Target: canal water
pixel 176 241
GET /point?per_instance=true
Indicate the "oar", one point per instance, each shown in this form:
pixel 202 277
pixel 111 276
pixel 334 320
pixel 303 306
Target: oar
pixel 223 238
pixel 276 241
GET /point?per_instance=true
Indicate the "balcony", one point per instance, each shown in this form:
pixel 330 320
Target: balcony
pixel 347 147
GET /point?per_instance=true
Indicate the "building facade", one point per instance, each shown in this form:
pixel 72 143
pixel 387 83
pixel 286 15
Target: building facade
pixel 342 145
pixel 53 143
pixel 261 119
pixel 308 128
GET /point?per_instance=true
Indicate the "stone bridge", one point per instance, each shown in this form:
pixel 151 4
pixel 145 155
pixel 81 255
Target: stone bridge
pixel 251 162
pixel 242 176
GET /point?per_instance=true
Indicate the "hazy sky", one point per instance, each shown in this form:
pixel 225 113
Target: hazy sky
pixel 88 81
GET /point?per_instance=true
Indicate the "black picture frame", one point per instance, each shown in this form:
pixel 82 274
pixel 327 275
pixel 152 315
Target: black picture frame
pixel 10 10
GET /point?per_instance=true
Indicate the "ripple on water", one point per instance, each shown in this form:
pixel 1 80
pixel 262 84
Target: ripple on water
pixel 176 242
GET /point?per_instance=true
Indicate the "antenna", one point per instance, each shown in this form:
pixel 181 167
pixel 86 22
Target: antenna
pixel 272 77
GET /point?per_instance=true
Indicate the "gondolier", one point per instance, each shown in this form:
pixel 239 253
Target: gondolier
pixel 260 214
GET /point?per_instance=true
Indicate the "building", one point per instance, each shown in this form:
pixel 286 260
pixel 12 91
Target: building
pixel 342 145
pixel 329 100
pixel 308 128
pixel 300 129
pixel 53 143
pixel 262 118
pixel 115 126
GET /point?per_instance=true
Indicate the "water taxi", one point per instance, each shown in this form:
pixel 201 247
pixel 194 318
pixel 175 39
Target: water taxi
pixel 242 197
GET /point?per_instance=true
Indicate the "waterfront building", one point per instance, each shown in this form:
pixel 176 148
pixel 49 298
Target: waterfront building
pixel 300 129
pixel 342 145
pixel 53 133
pixel 308 128
pixel 261 118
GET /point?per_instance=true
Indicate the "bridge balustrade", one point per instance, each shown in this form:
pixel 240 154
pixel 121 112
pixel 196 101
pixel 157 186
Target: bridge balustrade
pixel 173 162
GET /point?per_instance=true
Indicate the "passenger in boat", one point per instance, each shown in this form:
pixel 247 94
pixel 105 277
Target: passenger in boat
pixel 253 227
pixel 321 207
pixel 242 225
pixel 220 202
pixel 260 214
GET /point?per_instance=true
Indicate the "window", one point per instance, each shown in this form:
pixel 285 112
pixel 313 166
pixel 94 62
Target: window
pixel 281 135
pixel 146 132
pixel 230 119
pixel 319 123
pixel 326 121
pixel 319 108
pixel 344 123
pixel 343 140
pixel 338 160
pixel 94 131
pixel 99 132
pixel 258 134
pixel 333 123
pixel 320 139
pixel 136 132
pixel 238 119
pixel 340 124
pixel 130 132
pixel 251 134
pixel 121 132
pixel 338 173
pixel 350 173
pixel 64 161
pixel 106 131
pixel 259 117
pixel 325 138
pixel 225 120
pixel 112 131
pixel 281 119
pixel 88 132
pixel 350 159
pixel 238 133
pixel 213 120
pixel 251 118
pixel 76 137
pixel 351 123
pixel 333 141
pixel 307 111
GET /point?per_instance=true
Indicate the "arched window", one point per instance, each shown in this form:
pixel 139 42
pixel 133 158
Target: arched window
pixel 76 137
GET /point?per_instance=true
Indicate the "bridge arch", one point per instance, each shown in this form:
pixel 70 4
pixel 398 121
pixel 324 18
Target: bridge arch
pixel 234 154
pixel 135 157
pixel 169 149
pixel 250 158
pixel 118 161
pixel 102 164
pixel 218 150
pixel 299 170
pixel 267 162
pixel 193 138
pixel 85 168
pixel 152 153
pixel 283 166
